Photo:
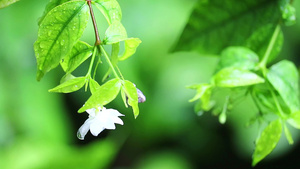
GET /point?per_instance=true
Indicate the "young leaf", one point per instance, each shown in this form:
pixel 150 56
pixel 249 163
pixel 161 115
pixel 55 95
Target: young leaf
pixel 52 4
pixel 288 134
pixel 59 31
pixel 204 94
pixel 69 86
pixel 213 26
pixel 233 77
pixel 239 57
pixel 284 78
pixel 94 85
pixel 78 54
pixel 294 120
pixel 115 33
pixel 132 95
pixel 5 3
pixel 110 9
pixel 267 141
pixel 130 47
pixel 104 95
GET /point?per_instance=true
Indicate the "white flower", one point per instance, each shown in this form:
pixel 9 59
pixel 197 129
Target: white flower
pixel 99 119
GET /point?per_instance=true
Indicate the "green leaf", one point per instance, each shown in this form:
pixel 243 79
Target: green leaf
pixel 94 86
pixel 110 9
pixel 284 78
pixel 78 54
pixel 58 32
pixel 294 119
pixel 52 4
pixel 104 95
pixel 288 134
pixel 288 12
pixel 215 25
pixel 69 86
pixel 234 77
pixel 239 57
pixel 204 94
pixel 267 141
pixel 5 3
pixel 132 95
pixel 66 77
pixel 130 48
pixel 115 33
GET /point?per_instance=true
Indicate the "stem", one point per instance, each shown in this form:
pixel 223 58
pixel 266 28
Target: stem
pixel 98 41
pixel 276 103
pixel 92 62
pixel 263 62
pixel 109 62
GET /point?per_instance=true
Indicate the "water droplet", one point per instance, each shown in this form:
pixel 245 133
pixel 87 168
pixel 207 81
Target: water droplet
pixel 62 42
pixel 43 44
pixel 76 86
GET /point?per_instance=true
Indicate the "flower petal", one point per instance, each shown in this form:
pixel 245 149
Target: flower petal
pixel 96 128
pixel 117 120
pixel 114 112
pixel 84 129
pixel 91 112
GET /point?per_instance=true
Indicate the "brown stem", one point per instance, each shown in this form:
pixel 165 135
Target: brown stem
pixel 98 41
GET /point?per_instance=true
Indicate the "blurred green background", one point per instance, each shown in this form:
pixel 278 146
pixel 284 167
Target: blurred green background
pixel 38 129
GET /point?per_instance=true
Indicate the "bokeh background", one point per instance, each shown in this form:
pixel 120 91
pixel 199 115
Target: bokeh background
pixel 38 128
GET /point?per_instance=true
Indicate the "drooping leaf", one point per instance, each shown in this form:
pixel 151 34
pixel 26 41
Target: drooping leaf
pixel 69 86
pixel 233 77
pixel 239 57
pixel 130 48
pixel 267 141
pixel 94 85
pixel 78 54
pixel 284 78
pixel 110 9
pixel 115 33
pixel 5 3
pixel 215 25
pixel 58 32
pixel 52 4
pixel 104 95
pixel 288 134
pixel 132 95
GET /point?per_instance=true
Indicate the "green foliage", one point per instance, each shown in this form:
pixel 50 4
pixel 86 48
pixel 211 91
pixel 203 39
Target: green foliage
pixel 80 52
pixel 234 77
pixel 284 78
pixel 246 35
pixel 131 92
pixel 60 29
pixel 69 86
pixel 58 32
pixel 267 141
pixel 215 25
pixel 5 3
pixel 104 95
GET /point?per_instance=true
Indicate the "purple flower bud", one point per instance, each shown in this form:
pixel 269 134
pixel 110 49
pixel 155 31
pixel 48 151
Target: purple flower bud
pixel 141 96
